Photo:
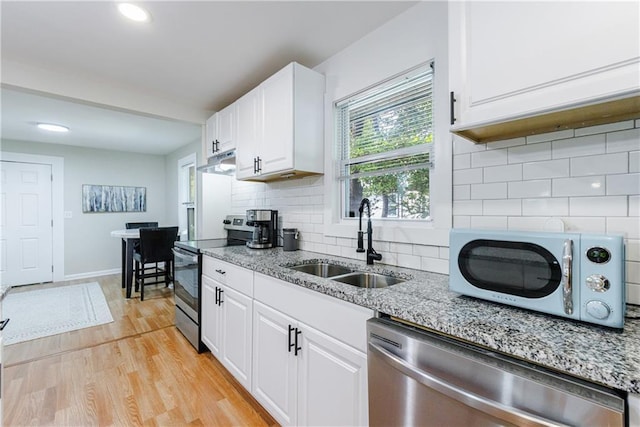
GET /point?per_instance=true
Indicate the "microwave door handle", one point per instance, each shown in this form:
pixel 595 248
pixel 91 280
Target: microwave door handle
pixel 567 288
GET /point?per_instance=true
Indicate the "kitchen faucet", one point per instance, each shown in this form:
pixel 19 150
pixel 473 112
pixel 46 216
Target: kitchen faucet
pixel 371 253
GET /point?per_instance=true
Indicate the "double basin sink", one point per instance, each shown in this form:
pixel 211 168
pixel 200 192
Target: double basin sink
pixel 347 275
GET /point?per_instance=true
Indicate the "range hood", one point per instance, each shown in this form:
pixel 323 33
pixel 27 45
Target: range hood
pixel 221 164
pixel 572 117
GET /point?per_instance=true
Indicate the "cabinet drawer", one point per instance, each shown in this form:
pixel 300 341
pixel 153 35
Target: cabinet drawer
pixel 341 320
pixel 235 277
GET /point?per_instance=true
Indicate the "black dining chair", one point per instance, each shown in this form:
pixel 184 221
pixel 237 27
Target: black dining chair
pixel 156 244
pixel 136 244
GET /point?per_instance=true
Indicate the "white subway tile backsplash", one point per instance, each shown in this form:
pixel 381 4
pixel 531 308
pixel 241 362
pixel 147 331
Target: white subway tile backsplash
pixel 557 206
pixel 628 140
pixel 533 188
pixel 598 206
pixel 462 146
pixel 633 293
pixel 436 265
pixel 586 224
pixel 461 192
pixel 492 222
pixel 634 206
pixel 586 186
pixel 409 261
pixel 600 165
pixel 610 127
pixel 546 169
pixel 467 207
pixel 550 136
pixel 401 248
pixel 530 153
pixel 582 146
pixel 634 161
pixel 467 176
pixel 502 207
pixel 426 251
pixel 633 272
pixel 632 250
pixel 462 161
pixel 503 173
pixel 527 223
pixel 629 227
pixel 489 191
pixel 461 221
pixel 444 253
pixel 623 184
pixel 489 158
pixel 506 143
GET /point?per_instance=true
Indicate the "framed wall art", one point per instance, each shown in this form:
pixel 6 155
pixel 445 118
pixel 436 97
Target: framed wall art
pixel 113 198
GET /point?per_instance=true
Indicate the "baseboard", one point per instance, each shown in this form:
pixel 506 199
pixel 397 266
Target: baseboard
pixel 92 274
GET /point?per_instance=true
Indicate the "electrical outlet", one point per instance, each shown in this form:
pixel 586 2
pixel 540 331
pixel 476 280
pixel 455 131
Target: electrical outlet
pixel 68 214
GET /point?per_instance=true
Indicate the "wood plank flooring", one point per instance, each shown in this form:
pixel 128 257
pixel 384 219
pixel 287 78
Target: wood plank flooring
pixel 137 370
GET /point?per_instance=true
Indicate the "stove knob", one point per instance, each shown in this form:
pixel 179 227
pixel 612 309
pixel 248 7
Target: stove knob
pixel 226 221
pixel 598 309
pixel 598 283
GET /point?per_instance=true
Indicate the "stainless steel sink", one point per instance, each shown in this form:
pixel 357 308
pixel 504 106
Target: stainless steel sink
pixel 368 280
pixel 322 269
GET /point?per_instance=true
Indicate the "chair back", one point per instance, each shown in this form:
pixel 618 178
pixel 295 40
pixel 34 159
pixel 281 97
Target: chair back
pixel 131 225
pixel 156 243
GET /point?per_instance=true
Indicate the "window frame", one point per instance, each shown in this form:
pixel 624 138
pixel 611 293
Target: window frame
pixel 391 231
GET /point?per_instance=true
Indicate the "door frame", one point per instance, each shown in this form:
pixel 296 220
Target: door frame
pixel 189 160
pixel 57 203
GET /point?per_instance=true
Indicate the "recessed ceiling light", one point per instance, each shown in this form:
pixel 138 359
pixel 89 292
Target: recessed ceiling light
pixel 53 128
pixel 133 12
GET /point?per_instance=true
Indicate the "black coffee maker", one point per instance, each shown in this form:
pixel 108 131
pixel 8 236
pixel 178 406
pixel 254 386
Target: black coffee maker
pixel 265 228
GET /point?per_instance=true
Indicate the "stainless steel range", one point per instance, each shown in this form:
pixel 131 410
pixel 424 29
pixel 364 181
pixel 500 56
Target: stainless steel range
pixel 188 274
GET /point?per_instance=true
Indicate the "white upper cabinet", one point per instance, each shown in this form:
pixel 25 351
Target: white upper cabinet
pixel 220 131
pixel 515 60
pixel 282 121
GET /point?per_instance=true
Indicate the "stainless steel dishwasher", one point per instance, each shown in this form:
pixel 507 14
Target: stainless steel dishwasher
pixel 417 378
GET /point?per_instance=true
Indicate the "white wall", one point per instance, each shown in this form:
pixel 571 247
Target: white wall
pixel 587 178
pixel 89 248
pixel 412 38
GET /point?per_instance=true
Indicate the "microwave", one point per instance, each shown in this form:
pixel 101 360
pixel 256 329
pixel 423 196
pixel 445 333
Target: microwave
pixel 573 275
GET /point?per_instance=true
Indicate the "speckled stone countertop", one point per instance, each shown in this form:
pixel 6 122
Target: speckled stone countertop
pixel 598 354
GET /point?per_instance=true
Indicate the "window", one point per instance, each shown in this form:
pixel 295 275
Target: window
pixel 385 139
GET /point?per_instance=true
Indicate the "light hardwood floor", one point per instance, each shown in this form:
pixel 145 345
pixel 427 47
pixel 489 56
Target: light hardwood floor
pixel 137 370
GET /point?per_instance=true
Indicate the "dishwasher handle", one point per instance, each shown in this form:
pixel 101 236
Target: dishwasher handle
pixel 193 259
pixel 480 403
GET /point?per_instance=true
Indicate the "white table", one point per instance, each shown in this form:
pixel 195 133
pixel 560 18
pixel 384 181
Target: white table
pixel 129 238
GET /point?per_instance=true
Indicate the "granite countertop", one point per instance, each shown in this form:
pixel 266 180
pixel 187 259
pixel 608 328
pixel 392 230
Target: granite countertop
pixel 606 356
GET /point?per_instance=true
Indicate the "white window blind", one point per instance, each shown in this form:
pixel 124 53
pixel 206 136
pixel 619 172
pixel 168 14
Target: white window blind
pixel 385 141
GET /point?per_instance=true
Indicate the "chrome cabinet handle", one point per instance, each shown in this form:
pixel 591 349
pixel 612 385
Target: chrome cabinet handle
pixel 567 287
pixel 488 406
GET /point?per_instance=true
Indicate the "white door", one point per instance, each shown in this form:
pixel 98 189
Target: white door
pixel 210 318
pixel 236 334
pixel 332 382
pixel 274 365
pixel 26 229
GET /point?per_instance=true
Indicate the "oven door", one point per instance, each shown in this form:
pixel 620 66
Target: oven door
pixel 186 282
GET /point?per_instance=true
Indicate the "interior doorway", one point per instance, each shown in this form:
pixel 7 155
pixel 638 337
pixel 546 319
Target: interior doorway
pixel 187 190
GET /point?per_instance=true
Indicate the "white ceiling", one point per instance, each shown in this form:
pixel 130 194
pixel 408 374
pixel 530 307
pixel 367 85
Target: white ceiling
pixel 115 82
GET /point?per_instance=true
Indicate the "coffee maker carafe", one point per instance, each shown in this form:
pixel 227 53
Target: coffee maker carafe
pixel 265 228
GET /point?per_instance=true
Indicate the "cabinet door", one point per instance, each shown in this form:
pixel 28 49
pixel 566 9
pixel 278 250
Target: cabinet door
pixel 248 134
pixel 276 148
pixel 210 135
pixel 332 382
pixel 513 58
pixel 210 318
pixel 236 334
pixel 274 366
pixel 226 128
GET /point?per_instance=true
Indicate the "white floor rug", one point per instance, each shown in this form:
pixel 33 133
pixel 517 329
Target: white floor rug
pixel 44 312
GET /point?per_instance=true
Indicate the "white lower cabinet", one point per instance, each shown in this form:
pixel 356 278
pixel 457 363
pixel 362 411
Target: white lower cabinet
pixel 227 320
pixel 301 374
pixel 633 401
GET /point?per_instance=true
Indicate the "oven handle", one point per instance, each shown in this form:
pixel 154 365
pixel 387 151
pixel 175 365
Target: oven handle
pixel 467 398
pixel 183 255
